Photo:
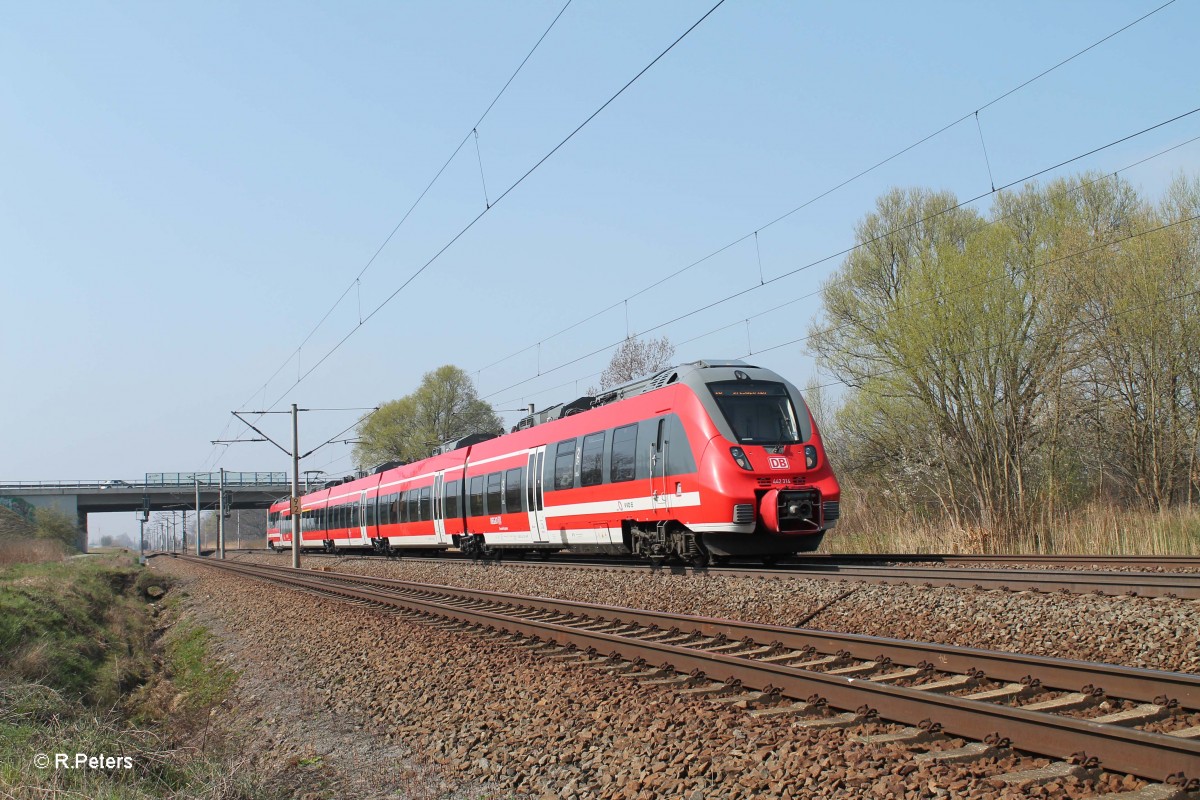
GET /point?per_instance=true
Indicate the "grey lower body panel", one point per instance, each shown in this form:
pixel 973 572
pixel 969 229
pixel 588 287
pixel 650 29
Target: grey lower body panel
pixel 761 544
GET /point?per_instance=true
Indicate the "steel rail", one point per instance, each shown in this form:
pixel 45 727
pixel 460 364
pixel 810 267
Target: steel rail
pixel 1183 585
pixel 1030 559
pixel 948 559
pixel 1141 584
pixel 1153 755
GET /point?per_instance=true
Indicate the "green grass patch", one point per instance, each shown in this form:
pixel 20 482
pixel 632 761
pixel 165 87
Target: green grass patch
pixel 193 671
pixel 74 626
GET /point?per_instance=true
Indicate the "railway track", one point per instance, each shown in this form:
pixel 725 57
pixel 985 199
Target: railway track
pixel 1140 562
pixel 1184 585
pixel 1087 714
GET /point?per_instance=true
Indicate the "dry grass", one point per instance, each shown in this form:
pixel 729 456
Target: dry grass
pixel 30 551
pixel 37 719
pixel 872 526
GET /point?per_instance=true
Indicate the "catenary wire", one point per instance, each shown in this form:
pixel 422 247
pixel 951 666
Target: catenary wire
pixel 995 100
pixel 411 208
pixel 829 191
pixel 495 203
pixel 835 282
pixel 942 295
pixel 1060 330
pixel 809 295
pixel 844 251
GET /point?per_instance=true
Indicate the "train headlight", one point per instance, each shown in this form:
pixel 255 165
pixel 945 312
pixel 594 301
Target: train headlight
pixel 739 456
pixel 810 456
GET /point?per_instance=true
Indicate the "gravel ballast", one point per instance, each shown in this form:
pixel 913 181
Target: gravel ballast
pixel 1153 633
pixel 498 715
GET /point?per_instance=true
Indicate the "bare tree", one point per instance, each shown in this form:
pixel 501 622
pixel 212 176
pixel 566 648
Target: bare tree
pixel 635 358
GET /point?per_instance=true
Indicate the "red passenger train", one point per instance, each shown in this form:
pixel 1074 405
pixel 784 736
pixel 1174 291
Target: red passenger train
pixel 707 459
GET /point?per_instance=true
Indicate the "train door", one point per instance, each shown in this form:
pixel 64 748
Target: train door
pixel 362 517
pixel 439 522
pixel 659 491
pixel 534 495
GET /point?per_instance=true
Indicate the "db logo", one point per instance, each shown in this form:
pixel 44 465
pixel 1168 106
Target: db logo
pixel 778 462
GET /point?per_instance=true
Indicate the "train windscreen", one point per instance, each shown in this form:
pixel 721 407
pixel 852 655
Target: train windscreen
pixel 760 412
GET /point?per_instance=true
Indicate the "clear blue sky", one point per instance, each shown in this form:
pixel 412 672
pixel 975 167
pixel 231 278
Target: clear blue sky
pixel 185 188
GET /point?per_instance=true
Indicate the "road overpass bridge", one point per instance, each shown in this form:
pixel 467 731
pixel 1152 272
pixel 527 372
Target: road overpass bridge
pixel 156 491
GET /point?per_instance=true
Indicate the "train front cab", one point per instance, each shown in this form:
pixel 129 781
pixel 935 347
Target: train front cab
pixel 765 467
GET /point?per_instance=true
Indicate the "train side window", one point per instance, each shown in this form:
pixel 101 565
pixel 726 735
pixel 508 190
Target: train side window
pixel 476 499
pixel 541 458
pixel 396 508
pixel 624 451
pixel 591 471
pixel 529 501
pixel 414 505
pixel 426 504
pixel 493 494
pixel 451 502
pixel 564 465
pixel 512 490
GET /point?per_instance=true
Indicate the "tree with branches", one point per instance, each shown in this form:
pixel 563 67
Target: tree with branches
pixel 444 407
pixel 635 358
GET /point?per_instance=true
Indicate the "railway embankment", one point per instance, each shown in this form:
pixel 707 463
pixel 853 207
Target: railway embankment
pixel 522 723
pixel 105 692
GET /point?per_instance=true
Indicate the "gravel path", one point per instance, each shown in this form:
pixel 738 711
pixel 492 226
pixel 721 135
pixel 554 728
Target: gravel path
pixel 511 723
pixel 1156 633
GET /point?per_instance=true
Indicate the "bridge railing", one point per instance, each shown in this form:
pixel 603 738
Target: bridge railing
pixel 83 484
pixel 213 478
pixel 163 480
